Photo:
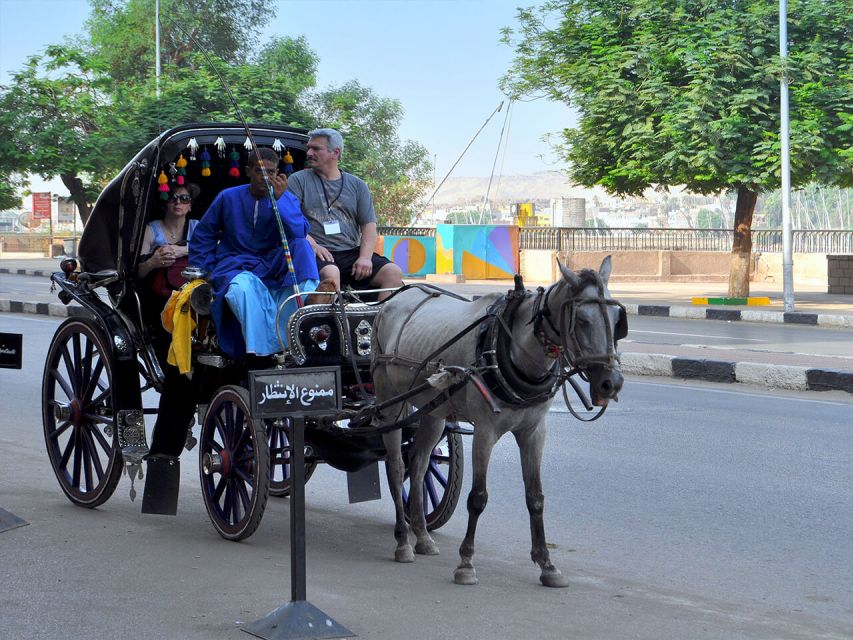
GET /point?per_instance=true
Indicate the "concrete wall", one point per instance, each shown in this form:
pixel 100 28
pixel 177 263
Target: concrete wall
pixel 809 268
pixel 663 266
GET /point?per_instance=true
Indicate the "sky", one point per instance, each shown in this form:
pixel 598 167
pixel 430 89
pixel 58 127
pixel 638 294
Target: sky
pixel 442 59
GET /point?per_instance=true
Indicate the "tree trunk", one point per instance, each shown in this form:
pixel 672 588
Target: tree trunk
pixel 742 244
pixel 78 195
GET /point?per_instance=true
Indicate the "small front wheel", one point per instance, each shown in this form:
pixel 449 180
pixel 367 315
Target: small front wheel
pixel 234 464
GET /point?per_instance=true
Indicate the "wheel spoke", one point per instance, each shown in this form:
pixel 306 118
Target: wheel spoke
pixel 241 473
pixel 92 449
pixel 429 485
pixel 100 400
pixel 105 445
pixel 245 499
pixel 436 472
pixel 66 388
pixel 54 435
pixel 87 462
pixel 97 419
pixel 66 455
pixel 78 364
pixel 220 487
pixel 92 381
pixel 78 454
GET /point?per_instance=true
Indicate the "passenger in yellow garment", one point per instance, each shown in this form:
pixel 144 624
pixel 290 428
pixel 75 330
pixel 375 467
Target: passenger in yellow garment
pixel 178 321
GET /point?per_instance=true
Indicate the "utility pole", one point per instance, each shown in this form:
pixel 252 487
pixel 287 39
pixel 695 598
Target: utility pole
pixel 157 46
pixel 787 249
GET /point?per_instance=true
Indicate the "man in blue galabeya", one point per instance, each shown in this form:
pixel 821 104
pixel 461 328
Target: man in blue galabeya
pixel 238 244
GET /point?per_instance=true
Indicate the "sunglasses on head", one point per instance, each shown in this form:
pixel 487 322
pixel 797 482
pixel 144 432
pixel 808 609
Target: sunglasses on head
pixel 182 198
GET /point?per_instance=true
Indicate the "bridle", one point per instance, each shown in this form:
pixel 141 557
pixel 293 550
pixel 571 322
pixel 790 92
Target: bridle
pixel 565 344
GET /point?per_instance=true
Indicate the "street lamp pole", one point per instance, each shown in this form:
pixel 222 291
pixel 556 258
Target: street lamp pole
pixel 787 249
pixel 157 46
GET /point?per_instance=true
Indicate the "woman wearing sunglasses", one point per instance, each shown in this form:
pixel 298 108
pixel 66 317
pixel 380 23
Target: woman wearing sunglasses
pixel 166 240
pixel 165 243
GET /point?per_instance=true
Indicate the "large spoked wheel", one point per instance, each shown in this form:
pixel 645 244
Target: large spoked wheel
pixel 234 461
pixel 278 439
pixel 78 413
pixel 442 481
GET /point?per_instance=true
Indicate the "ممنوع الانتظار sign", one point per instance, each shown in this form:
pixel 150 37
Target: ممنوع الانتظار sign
pixel 295 392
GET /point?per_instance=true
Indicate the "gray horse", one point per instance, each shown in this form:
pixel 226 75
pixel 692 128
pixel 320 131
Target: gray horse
pixel 498 360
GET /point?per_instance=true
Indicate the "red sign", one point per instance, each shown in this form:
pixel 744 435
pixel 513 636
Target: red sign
pixel 41 206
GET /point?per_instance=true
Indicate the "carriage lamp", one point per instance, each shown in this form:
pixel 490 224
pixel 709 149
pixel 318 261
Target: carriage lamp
pixel 320 335
pixel 363 332
pixel 68 266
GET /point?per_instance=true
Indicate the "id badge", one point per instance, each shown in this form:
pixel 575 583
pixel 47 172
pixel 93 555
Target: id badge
pixel 331 228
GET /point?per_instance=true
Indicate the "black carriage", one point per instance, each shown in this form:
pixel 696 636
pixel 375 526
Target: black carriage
pixel 101 360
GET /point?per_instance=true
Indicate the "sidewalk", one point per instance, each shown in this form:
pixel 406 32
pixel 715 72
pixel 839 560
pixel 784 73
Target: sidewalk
pixel 812 306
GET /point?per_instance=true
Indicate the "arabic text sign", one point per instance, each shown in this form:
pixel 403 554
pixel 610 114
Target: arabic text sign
pixel 295 392
pixel 41 206
pixel 11 350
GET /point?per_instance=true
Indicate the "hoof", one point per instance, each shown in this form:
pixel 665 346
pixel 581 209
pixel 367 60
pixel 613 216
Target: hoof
pixel 426 548
pixel 404 554
pixel 554 578
pixel 465 575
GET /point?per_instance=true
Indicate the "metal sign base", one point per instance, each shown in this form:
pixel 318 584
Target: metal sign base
pixel 296 620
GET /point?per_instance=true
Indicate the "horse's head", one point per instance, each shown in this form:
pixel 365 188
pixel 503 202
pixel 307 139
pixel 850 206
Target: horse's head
pixel 589 324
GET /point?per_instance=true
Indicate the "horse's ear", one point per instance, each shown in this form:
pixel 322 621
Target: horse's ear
pixel 605 269
pixel 569 275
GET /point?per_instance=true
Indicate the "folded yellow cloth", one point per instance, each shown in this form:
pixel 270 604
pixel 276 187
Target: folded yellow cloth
pixel 178 321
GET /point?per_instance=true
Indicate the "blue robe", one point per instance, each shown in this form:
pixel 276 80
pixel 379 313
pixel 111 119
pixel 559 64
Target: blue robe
pixel 228 241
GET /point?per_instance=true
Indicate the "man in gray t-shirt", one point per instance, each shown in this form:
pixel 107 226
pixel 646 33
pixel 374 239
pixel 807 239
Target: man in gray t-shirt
pixel 339 208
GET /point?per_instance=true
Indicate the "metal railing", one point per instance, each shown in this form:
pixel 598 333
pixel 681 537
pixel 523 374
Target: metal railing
pixel 629 239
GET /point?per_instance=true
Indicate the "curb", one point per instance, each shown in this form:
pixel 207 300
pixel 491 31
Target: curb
pixel 743 315
pixel 27 272
pixel 767 375
pixel 55 309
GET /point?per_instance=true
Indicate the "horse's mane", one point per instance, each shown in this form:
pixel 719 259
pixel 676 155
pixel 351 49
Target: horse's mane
pixel 586 278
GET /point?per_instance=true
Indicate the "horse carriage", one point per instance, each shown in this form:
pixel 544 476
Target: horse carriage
pixel 101 362
pixel 407 370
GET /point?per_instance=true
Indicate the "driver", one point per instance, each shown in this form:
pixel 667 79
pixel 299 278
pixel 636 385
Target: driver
pixel 238 244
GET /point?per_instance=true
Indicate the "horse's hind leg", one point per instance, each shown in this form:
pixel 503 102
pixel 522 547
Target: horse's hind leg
pixel 428 434
pixel 531 442
pixel 394 472
pixel 484 442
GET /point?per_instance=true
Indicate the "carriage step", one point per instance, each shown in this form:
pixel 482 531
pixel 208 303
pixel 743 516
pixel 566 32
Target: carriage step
pixel 162 485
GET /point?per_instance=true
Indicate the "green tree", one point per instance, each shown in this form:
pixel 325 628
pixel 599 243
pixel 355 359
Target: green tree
pixel 51 119
pixel 398 172
pixel 121 33
pixel 709 219
pixel 686 92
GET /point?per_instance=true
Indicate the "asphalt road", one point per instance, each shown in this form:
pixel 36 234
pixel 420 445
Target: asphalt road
pixel 687 511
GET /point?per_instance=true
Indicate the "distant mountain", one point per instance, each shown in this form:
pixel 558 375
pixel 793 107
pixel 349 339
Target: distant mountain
pixel 456 192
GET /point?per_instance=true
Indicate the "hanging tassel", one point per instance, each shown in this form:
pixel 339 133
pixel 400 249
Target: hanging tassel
pixel 205 163
pixel 163 181
pixel 288 162
pixel 192 145
pixel 181 164
pixel 234 171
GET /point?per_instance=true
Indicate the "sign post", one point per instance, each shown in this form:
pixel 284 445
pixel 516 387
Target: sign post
pixel 295 394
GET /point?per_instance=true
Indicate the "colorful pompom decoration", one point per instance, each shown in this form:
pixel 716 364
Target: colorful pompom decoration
pixel 234 171
pixel 288 162
pixel 164 185
pixel 181 164
pixel 205 163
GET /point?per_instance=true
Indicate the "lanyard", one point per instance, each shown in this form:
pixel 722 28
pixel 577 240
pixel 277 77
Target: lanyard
pixel 326 195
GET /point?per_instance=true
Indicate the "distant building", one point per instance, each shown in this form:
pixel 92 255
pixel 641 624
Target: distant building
pixel 568 212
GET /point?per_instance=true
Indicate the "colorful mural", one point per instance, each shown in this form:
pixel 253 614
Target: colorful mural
pixel 414 255
pixel 478 252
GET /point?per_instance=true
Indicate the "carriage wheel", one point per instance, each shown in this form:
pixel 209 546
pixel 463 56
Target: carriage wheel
pixel 278 439
pixel 442 481
pixel 234 461
pixel 78 413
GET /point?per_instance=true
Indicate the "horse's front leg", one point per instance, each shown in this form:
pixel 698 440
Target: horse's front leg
pixel 481 451
pixel 394 472
pixel 428 435
pixel 531 442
